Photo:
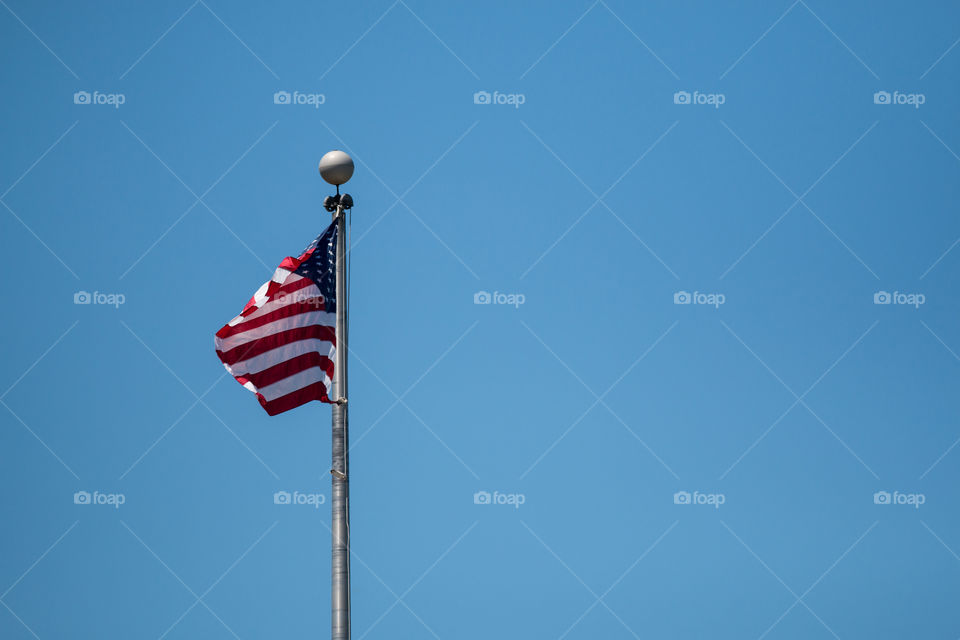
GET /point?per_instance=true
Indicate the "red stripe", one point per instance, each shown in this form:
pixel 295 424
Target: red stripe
pixel 287 368
pixel 292 309
pixel 315 391
pixel 268 343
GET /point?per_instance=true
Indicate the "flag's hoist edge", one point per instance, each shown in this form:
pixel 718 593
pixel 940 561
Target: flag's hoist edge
pixel 282 346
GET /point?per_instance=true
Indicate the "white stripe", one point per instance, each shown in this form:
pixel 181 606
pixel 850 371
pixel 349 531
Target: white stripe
pixel 281 274
pixel 281 354
pixel 295 382
pixel 300 320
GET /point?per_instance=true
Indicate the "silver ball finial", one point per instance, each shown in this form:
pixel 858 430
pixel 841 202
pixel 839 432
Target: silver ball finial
pixel 336 167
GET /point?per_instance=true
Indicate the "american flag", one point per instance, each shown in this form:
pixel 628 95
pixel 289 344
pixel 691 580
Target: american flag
pixel 283 345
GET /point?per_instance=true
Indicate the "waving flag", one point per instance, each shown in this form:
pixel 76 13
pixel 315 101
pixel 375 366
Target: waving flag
pixel 282 345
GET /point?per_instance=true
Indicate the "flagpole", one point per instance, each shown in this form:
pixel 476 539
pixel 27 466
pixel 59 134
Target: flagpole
pixel 336 167
pixel 340 479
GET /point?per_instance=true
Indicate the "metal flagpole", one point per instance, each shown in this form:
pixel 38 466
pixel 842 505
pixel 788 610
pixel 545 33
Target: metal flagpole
pixel 336 168
pixel 340 501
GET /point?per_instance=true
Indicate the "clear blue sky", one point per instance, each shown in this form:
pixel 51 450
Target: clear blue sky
pixel 786 191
